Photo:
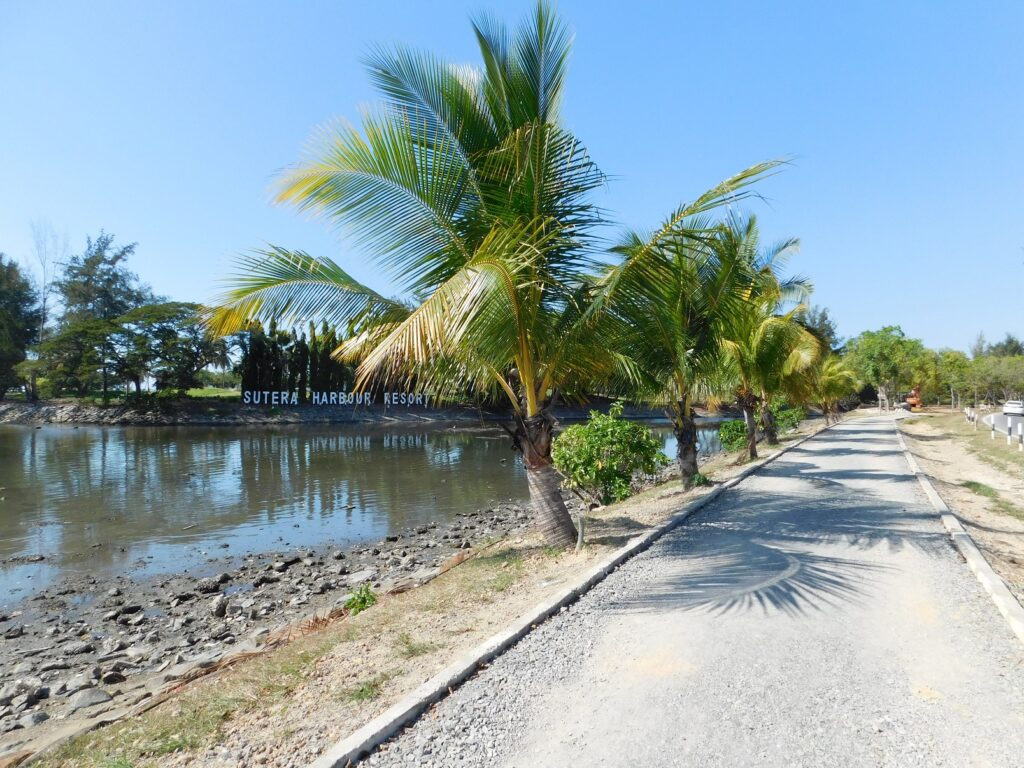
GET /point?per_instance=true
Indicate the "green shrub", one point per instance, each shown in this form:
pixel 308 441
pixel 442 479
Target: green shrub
pixel 361 599
pixel 732 435
pixel 787 418
pixel 601 456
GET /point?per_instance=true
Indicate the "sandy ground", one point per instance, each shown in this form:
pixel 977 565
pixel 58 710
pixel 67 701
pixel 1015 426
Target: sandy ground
pixel 944 450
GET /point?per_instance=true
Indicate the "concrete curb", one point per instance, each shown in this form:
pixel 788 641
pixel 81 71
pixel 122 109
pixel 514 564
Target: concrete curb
pixel 363 741
pixel 996 588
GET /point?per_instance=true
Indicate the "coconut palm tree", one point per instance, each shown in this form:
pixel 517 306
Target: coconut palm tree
pixel 765 347
pixel 475 201
pixel 674 293
pixel 829 380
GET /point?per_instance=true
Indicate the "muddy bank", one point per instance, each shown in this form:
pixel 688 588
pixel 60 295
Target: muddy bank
pixel 212 412
pixel 87 646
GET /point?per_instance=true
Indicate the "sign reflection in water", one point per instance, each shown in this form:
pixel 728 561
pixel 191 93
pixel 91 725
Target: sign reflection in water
pixel 109 500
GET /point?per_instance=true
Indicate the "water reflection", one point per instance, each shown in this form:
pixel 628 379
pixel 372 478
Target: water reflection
pixel 108 500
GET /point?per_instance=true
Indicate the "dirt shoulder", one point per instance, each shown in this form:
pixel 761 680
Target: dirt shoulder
pixel 283 707
pixel 982 481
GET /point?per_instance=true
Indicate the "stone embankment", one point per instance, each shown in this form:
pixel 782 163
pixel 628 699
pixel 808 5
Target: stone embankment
pixel 214 412
pixel 86 646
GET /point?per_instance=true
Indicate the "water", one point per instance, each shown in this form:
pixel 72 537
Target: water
pixel 150 500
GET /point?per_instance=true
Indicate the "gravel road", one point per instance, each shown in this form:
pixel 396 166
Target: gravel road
pixel 815 615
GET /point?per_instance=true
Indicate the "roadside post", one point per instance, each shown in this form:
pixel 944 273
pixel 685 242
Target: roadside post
pixel 993 435
pixel 1020 436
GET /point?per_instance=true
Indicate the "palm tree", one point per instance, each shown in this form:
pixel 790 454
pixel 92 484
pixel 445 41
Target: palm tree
pixel 766 348
pixel 829 380
pixel 674 293
pixel 474 199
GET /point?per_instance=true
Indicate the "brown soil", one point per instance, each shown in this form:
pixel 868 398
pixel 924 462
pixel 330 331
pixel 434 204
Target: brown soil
pixel 981 481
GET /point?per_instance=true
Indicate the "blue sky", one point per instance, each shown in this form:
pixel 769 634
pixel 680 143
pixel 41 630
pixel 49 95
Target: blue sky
pixel 165 123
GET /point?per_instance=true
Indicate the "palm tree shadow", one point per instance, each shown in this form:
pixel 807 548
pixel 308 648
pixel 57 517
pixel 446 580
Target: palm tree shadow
pixel 788 552
pixel 751 576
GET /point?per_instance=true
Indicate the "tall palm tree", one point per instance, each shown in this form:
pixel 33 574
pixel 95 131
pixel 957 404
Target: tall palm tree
pixel 766 348
pixel 474 199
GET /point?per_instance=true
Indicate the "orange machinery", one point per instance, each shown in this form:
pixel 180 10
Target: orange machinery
pixel 914 399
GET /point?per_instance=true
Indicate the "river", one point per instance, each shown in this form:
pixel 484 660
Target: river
pixel 152 500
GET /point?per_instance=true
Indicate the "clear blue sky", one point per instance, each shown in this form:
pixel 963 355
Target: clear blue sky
pixel 165 123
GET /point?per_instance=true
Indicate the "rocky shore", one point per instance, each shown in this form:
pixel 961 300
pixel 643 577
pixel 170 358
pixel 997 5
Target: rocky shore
pixel 213 412
pixel 82 648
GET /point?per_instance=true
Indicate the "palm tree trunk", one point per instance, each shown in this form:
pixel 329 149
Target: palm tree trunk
pixel 685 428
pixel 751 422
pixel 771 431
pixel 532 438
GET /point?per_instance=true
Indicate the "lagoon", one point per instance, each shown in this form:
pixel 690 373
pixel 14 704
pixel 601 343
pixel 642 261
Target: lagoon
pixel 107 501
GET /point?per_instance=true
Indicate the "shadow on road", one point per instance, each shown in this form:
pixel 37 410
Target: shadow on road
pixel 793 552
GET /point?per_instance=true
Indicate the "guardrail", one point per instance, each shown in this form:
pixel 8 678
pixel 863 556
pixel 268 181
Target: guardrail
pixel 1012 435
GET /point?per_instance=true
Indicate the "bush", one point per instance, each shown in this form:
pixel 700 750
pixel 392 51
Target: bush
pixel 601 456
pixel 732 435
pixel 786 418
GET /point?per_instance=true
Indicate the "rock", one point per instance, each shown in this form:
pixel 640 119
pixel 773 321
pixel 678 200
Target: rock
pixel 111 677
pixel 207 586
pixel 51 666
pixel 13 632
pixel 219 606
pixel 24 668
pixel 223 578
pixel 78 683
pixel 113 592
pixel 33 718
pixel 89 697
pixel 360 576
pixel 338 555
pixel 265 578
pixel 76 649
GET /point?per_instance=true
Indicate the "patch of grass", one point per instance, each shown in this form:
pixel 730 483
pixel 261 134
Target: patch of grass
pixel 410 648
pixel 981 489
pixel 368 690
pixel 206 393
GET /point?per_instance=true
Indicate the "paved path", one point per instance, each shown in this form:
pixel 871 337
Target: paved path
pixel 816 615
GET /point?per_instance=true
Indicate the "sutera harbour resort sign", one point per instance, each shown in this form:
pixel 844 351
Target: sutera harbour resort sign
pixel 266 397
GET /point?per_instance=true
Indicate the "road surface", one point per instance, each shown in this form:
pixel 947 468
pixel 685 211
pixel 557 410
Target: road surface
pixel 815 615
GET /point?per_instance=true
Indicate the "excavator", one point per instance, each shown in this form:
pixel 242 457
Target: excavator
pixel 914 399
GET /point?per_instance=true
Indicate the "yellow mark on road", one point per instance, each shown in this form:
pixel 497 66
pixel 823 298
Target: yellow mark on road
pixel 924 692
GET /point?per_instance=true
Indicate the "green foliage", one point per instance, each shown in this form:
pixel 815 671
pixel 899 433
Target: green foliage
pixel 787 417
pixel 700 479
pixel 19 320
pixel 732 435
pixel 360 600
pixel 887 359
pixel 602 455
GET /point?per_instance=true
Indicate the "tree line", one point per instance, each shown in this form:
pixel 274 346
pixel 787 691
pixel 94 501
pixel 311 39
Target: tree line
pixel 94 328
pixel 890 363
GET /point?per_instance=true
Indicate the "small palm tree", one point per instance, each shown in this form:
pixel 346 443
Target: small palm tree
pixel 674 293
pixel 829 380
pixel 766 349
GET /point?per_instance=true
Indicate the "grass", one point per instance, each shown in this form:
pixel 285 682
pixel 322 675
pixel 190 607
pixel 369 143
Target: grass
pixel 408 648
pixel 369 689
pixel 208 393
pixel 981 489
